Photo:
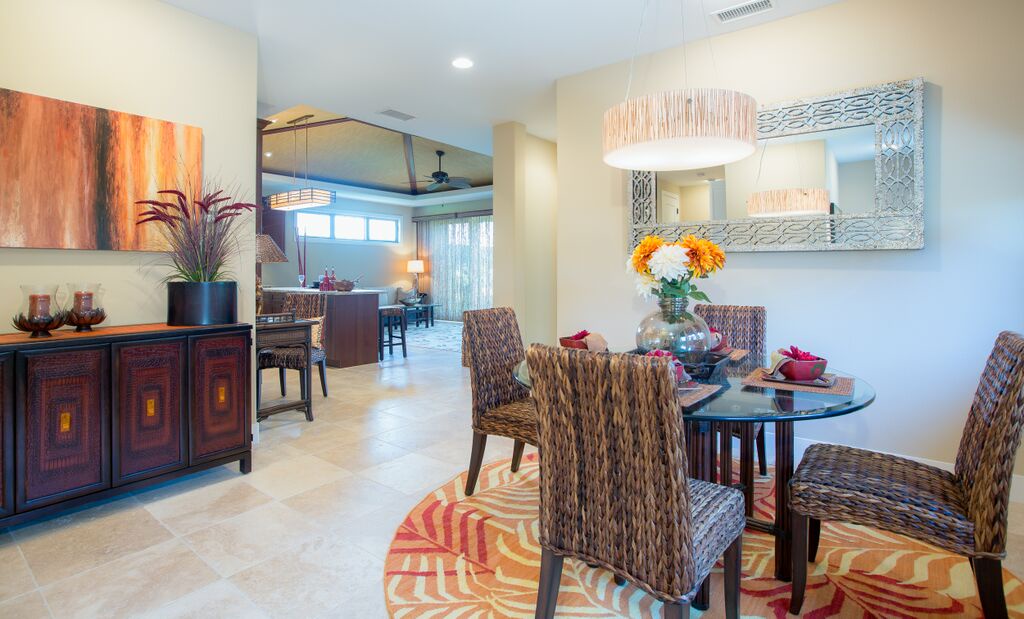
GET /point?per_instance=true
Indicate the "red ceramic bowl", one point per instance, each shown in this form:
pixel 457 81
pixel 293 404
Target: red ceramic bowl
pixel 804 370
pixel 568 342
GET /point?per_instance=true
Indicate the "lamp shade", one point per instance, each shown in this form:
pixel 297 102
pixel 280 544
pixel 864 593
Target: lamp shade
pixel 414 266
pixel 267 250
pixel 680 130
pixel 788 202
pixel 299 199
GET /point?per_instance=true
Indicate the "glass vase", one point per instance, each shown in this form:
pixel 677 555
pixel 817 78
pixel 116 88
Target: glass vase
pixel 676 330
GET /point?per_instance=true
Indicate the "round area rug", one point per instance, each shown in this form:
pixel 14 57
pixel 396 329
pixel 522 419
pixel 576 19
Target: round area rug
pixel 479 556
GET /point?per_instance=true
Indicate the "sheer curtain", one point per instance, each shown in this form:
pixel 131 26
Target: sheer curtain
pixel 461 257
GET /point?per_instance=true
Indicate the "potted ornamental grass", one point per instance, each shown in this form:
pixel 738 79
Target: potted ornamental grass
pixel 201 234
pixel 669 271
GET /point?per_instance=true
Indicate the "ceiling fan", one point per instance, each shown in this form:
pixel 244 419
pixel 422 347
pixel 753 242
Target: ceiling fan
pixel 440 178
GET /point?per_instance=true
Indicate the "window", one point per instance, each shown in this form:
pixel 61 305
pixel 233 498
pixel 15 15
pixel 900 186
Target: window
pixel 376 229
pixel 349 228
pixel 313 224
pixel 382 230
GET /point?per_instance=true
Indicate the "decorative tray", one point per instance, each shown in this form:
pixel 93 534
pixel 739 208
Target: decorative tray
pixel 825 381
pixel 706 369
pixel 834 385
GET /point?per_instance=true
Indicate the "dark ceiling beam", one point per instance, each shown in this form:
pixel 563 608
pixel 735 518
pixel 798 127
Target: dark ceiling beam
pixel 409 165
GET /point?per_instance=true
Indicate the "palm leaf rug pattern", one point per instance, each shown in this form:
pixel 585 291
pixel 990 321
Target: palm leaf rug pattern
pixel 479 557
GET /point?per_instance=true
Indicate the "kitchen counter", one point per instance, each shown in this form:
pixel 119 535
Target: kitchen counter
pixel 294 289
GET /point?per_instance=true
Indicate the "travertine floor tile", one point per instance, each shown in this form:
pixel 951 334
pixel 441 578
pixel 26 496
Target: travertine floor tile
pixel 131 585
pixel 15 575
pixel 25 606
pixel 196 509
pixel 256 535
pixel 68 545
pixel 222 600
pixel 362 455
pixel 336 503
pixel 412 474
pixel 290 477
pixel 311 579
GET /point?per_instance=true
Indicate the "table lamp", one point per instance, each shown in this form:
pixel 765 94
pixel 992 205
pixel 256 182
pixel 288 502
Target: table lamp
pixel 415 267
pixel 267 251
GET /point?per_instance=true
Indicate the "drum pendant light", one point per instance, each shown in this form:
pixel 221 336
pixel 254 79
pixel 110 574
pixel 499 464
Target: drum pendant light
pixel 306 197
pixel 679 129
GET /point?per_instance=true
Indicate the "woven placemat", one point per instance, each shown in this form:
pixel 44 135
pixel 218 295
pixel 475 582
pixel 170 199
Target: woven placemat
pixel 842 386
pixel 737 354
pixel 691 397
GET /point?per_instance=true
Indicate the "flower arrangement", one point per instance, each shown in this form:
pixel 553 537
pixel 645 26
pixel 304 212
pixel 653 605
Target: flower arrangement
pixel 200 232
pixel 667 270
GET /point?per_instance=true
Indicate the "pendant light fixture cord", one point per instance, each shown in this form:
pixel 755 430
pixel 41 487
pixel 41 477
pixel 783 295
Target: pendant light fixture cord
pixel 636 48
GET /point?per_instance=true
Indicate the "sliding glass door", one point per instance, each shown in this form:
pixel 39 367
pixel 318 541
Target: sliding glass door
pixel 461 258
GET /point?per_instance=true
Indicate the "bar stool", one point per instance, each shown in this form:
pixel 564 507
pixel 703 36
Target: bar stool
pixel 390 319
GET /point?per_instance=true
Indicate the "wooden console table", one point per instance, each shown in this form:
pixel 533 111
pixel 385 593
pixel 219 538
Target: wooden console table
pixel 288 333
pixel 87 415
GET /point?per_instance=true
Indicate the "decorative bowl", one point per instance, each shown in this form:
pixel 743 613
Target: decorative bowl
pixel 84 320
pixel 718 341
pixel 804 370
pixel 344 285
pixel 39 326
pixel 568 342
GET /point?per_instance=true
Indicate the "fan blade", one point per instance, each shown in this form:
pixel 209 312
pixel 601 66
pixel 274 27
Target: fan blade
pixel 433 186
pixel 459 184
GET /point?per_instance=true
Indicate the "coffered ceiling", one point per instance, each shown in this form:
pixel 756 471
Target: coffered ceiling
pixel 365 57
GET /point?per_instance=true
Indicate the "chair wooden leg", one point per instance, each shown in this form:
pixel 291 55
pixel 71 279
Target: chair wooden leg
pixel 799 554
pixel 303 394
pixel 677 611
pixel 380 337
pixel 814 536
pixel 476 458
pixel 323 375
pixel 989 575
pixel 517 455
pixel 747 467
pixel 259 387
pixel 619 580
pixel 281 376
pixel 762 459
pixel 733 575
pixel 547 590
pixel 403 329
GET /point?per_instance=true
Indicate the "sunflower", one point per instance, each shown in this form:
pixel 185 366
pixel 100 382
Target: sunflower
pixel 705 256
pixel 642 253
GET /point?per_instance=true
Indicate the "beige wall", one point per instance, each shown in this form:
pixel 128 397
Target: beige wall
pixel 525 199
pixel 918 325
pixel 695 202
pixel 142 57
pixel 856 186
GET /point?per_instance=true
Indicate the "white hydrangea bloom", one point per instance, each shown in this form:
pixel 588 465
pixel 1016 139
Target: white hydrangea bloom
pixel 669 262
pixel 646 285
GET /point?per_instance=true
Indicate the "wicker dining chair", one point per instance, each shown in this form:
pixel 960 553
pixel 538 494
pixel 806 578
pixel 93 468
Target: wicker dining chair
pixel 501 406
pixel 963 512
pixel 613 486
pixel 307 306
pixel 744 327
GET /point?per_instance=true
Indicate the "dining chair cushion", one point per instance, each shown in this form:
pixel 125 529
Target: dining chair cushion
pixel 515 420
pixel 846 484
pixel 287 357
pixel 717 518
pixel 316 355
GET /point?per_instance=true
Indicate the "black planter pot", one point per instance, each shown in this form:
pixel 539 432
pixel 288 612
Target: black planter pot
pixel 192 304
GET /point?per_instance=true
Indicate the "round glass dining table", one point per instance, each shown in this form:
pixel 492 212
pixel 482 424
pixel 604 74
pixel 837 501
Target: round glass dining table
pixel 736 407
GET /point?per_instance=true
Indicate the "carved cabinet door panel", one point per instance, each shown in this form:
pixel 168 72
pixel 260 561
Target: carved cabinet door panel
pixel 219 416
pixel 149 425
pixel 6 434
pixel 63 425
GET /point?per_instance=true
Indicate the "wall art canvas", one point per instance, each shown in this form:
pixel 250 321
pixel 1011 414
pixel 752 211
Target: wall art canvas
pixel 70 174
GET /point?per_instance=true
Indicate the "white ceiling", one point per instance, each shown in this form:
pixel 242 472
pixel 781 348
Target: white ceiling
pixel 359 58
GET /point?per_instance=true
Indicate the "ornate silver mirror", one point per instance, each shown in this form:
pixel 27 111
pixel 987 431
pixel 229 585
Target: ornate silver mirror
pixel 845 171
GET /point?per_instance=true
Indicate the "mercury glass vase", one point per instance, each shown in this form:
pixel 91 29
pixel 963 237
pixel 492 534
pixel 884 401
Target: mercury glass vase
pixel 676 330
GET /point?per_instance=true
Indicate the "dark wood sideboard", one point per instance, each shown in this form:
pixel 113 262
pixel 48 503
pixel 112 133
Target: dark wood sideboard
pixel 88 415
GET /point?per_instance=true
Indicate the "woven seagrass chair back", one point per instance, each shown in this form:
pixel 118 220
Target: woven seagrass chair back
pixel 613 486
pixel 988 447
pixel 743 327
pixel 309 306
pixel 494 348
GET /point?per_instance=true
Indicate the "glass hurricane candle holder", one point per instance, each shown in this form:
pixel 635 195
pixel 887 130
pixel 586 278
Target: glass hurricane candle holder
pixel 40 311
pixel 85 305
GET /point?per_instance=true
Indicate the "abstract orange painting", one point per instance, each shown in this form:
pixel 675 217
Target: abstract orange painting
pixel 70 174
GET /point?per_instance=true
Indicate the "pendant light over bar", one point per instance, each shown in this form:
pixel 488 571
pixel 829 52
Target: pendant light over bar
pixel 789 202
pixel 307 197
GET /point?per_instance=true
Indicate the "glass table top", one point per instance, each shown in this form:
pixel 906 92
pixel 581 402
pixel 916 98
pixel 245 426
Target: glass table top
pixel 736 402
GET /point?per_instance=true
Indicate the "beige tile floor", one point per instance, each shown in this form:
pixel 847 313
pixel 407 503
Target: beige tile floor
pixel 304 535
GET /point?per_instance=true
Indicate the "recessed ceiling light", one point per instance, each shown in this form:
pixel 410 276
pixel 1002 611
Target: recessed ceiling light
pixel 268 154
pixel 462 63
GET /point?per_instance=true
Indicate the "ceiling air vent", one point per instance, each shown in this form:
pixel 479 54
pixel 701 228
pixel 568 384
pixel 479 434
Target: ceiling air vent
pixel 746 9
pixel 397 115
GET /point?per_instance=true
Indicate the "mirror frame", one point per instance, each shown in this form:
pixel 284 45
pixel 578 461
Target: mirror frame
pixel 895 109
